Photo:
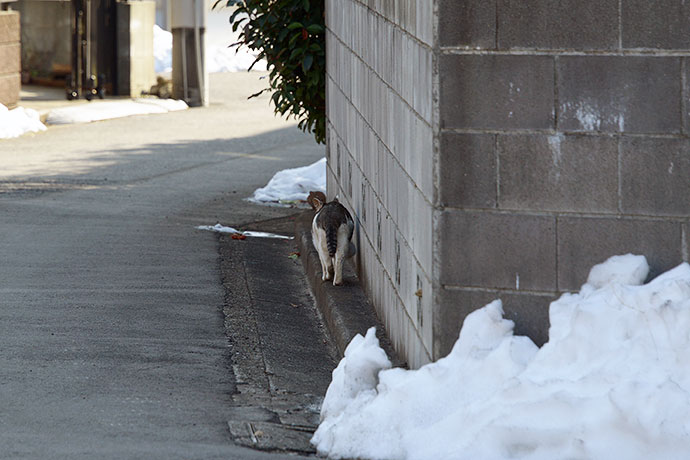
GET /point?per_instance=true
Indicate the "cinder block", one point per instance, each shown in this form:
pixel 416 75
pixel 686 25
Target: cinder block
pixel 9 89
pixel 558 173
pixel 9 26
pixel 662 25
pixel 467 170
pixel 470 23
pixel 497 92
pixel 686 96
pixel 492 250
pixel 619 94
pixel 566 24
pixel 655 176
pixel 425 21
pixel 586 241
pixel 10 58
pixel 529 312
pixel 686 241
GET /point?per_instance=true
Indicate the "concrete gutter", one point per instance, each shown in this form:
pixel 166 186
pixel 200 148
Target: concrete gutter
pixel 345 309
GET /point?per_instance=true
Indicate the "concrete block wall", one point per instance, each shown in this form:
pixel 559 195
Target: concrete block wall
pixel 135 47
pixel 46 36
pixel 499 149
pixel 380 155
pixel 563 140
pixel 10 81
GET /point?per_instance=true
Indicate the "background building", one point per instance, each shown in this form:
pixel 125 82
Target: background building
pixel 10 61
pixel 110 39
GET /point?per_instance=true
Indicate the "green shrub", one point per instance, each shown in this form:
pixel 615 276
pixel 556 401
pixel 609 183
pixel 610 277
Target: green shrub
pixel 290 35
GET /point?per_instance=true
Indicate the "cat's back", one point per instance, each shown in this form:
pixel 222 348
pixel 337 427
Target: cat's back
pixel 333 215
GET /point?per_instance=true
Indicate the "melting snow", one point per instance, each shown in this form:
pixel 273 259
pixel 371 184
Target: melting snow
pixel 18 121
pixel 220 56
pixel 103 110
pixel 613 381
pixel 162 49
pixel 294 184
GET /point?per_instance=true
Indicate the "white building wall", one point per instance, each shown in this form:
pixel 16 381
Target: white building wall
pixel 381 155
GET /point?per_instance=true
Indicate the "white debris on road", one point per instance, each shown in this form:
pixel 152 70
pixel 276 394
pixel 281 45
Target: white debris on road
pixel 293 185
pixel 222 229
pixel 612 381
pixel 104 110
pixel 19 121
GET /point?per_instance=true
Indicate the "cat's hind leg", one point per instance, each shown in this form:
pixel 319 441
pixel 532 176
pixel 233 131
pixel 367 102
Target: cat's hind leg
pixel 326 262
pixel 326 266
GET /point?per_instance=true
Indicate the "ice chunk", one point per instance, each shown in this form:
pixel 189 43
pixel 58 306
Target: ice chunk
pixel 628 269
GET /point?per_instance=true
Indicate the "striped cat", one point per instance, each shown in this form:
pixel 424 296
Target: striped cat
pixel 331 231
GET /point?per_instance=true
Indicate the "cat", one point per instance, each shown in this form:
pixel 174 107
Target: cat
pixel 331 231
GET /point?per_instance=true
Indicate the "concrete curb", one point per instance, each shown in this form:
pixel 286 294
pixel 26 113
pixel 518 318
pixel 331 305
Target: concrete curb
pixel 345 309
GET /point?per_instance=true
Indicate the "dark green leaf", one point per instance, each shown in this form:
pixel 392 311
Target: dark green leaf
pixel 307 62
pixel 314 29
pixel 276 31
pixel 295 52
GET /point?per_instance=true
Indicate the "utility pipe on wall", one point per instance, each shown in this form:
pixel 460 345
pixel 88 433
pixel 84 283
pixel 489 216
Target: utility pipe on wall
pixel 188 17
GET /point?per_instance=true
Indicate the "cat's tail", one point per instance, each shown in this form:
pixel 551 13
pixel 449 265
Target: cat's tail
pixel 332 239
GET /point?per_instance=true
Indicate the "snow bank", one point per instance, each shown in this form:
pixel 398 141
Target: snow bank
pixel 104 110
pixel 220 57
pixel 162 49
pixel 224 58
pixel 612 382
pixel 18 121
pixel 290 185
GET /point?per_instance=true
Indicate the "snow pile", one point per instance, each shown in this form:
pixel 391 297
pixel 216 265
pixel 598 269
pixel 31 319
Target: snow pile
pixel 612 382
pixel 224 58
pixel 162 49
pixel 356 374
pixel 290 185
pixel 18 121
pixel 104 110
pixel 220 56
pixel 222 229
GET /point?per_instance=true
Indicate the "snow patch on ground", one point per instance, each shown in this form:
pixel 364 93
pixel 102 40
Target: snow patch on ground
pixel 613 380
pixel 19 121
pixel 223 229
pixel 104 110
pixel 293 185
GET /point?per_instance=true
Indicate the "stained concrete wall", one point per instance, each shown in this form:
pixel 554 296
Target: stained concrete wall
pixel 505 147
pixel 10 82
pixel 46 35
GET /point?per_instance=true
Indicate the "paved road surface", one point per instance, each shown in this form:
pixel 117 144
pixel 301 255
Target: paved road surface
pixel 111 331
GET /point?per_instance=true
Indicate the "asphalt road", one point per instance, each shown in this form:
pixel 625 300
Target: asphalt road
pixel 111 331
